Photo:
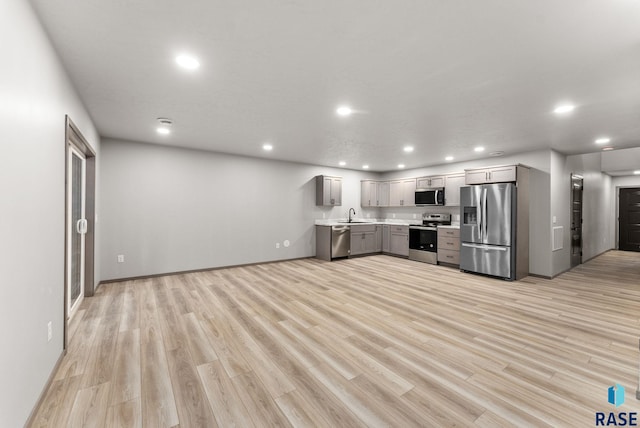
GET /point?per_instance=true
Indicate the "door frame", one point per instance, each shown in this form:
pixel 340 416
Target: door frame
pixel 617 215
pixel 74 137
pixel 576 176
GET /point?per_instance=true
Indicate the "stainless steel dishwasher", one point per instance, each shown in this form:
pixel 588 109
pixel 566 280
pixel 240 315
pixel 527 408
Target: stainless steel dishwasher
pixel 340 241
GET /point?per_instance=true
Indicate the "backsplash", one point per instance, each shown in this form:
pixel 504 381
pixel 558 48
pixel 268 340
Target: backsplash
pixel 415 213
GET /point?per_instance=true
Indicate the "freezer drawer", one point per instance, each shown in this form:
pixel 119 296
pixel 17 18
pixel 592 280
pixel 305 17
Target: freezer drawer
pixel 487 259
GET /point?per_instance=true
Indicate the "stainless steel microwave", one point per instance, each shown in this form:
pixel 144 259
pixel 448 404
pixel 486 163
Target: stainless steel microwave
pixel 433 196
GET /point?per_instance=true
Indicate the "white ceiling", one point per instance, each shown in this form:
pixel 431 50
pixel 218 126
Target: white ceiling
pixel 443 76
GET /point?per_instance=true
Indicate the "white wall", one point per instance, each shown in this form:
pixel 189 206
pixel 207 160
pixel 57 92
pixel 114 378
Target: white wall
pixel 35 95
pixel 560 191
pixel 168 209
pixel 539 206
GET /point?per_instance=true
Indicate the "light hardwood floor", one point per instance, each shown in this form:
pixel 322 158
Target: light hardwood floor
pixel 372 341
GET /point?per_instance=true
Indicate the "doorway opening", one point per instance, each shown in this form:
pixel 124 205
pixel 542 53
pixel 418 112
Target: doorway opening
pixel 629 219
pixel 80 181
pixel 577 184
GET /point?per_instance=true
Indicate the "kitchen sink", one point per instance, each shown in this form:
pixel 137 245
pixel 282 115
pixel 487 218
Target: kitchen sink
pixel 354 221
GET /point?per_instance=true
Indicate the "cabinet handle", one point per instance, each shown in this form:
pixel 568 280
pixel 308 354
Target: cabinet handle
pixel 449 243
pixel 449 257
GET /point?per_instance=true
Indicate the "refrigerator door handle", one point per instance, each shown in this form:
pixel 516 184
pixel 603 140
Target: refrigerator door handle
pixel 479 215
pixel 484 212
pixel 484 247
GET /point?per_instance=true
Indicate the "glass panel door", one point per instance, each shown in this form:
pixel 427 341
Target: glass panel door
pixel 576 219
pixel 76 229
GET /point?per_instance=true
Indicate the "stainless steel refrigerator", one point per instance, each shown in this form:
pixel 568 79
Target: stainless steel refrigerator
pixel 488 225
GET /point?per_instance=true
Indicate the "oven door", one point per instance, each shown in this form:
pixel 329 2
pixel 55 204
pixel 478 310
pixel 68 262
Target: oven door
pixel 423 244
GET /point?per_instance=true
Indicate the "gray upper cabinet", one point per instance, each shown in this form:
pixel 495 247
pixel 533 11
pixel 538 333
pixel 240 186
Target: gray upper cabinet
pixel 452 185
pixel 402 193
pixel 494 174
pixel 369 193
pixel 383 193
pixel 328 190
pixel 430 182
pixel 374 193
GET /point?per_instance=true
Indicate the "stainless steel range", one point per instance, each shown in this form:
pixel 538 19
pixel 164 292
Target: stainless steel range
pixel 423 239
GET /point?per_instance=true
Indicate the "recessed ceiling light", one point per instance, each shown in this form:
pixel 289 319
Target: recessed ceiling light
pixel 164 125
pixel 344 111
pixel 448 158
pixel 268 147
pixel 637 172
pixel 401 166
pixel 365 166
pixel 342 163
pixel 478 149
pixel 408 149
pixel 496 154
pixel 564 109
pixel 606 149
pixel 188 62
pixel 603 140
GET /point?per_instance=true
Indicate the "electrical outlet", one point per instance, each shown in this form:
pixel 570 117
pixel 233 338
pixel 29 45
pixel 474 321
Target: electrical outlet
pixel 277 245
pixel 286 243
pixel 120 258
pixel 49 331
pixel 415 216
pixel 394 216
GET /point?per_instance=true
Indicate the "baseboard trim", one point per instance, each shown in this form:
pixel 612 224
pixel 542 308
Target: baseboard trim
pixel 597 255
pixel 536 275
pixel 570 268
pixel 44 391
pixel 182 272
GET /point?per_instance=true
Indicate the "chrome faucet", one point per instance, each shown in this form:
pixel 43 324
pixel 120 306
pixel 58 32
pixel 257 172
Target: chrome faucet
pixel 354 213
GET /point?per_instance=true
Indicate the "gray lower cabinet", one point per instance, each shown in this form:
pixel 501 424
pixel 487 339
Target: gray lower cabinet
pixel 395 240
pixel 449 245
pixel 366 239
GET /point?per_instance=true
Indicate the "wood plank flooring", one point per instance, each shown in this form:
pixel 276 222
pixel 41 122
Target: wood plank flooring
pixel 372 341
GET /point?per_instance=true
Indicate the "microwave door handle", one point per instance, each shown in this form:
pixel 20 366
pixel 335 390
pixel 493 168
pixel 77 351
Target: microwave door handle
pixel 435 201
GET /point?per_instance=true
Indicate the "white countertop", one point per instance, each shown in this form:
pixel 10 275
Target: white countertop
pixel 365 221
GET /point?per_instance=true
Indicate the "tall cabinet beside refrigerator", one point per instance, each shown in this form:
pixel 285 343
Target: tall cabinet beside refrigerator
pixel 494 223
